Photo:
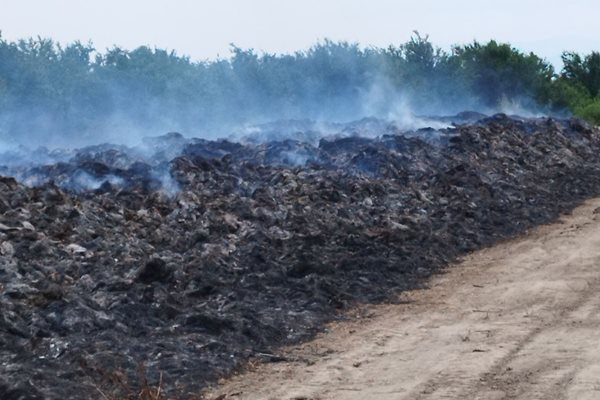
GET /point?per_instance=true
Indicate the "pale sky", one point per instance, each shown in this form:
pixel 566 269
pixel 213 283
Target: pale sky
pixel 204 29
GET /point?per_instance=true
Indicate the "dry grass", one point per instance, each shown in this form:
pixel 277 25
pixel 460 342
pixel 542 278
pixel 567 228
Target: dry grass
pixel 122 389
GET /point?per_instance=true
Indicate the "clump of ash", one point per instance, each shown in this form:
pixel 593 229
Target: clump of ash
pixel 187 257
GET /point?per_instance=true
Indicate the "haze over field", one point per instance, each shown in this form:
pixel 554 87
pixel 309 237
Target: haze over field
pixel 76 73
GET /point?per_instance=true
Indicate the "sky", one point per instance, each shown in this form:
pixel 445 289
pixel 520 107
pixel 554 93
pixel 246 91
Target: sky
pixel 205 29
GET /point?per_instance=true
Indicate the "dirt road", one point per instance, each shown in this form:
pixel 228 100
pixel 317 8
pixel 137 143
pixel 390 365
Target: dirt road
pixel 520 320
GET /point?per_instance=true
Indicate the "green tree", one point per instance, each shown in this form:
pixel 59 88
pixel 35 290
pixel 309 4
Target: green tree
pixel 585 71
pixel 497 71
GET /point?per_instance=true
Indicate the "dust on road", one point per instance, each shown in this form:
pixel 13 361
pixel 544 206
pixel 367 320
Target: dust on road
pixel 520 320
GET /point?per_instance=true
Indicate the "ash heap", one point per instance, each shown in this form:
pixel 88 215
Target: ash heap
pixel 187 257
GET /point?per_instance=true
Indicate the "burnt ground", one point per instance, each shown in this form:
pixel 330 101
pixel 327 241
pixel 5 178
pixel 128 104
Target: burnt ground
pixel 213 252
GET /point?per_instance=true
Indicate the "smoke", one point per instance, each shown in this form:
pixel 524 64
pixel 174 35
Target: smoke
pixel 522 107
pixel 123 96
pixel 126 99
pixel 82 181
pixel 168 184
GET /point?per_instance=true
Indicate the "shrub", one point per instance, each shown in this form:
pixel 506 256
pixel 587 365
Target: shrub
pixel 590 112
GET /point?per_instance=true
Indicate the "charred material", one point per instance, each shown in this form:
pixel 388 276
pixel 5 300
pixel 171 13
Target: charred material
pixel 251 246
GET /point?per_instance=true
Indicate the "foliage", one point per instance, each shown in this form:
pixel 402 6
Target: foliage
pixel 585 71
pixel 561 94
pixel 590 112
pixel 496 71
pixel 49 91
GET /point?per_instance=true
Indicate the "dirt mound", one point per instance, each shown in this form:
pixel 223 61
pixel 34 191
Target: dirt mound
pixel 214 252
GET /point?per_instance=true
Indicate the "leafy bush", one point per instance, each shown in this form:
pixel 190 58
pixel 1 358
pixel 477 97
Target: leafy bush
pixel 561 94
pixel 497 71
pixel 590 112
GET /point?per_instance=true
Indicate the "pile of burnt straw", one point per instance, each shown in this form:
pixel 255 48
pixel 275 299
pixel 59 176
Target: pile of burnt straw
pixel 216 251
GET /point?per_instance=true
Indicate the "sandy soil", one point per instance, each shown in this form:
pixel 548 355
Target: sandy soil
pixel 520 320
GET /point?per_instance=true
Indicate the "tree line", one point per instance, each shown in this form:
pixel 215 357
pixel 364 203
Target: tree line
pixel 75 90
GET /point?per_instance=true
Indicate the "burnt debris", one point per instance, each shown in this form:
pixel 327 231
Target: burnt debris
pixel 206 253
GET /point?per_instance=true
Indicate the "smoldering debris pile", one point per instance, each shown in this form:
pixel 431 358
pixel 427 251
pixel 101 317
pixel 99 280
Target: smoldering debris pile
pixel 213 251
